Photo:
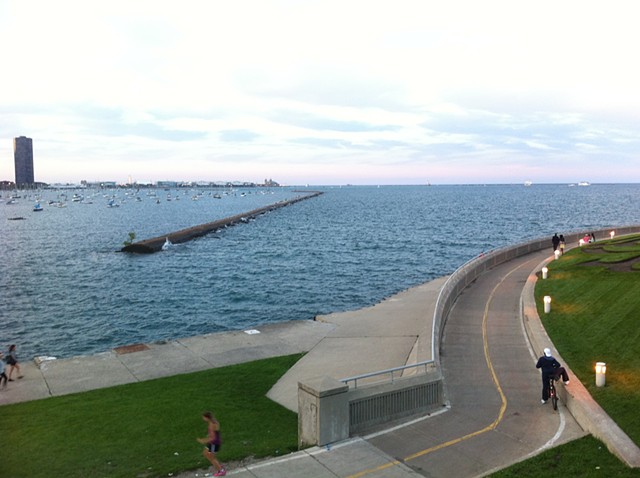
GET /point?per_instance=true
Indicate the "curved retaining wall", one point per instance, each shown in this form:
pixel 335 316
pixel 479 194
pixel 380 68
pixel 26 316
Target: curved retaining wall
pixel 469 271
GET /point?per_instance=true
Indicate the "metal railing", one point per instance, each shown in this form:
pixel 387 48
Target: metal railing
pixel 428 365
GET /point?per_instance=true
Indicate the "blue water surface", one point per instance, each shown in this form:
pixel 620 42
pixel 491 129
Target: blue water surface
pixel 65 289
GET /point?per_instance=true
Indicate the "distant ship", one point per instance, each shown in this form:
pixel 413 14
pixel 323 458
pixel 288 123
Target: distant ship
pixel 528 183
pixel 584 183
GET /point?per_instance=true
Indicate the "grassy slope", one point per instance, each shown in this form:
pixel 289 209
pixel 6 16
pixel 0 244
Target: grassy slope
pixel 148 428
pixel 595 317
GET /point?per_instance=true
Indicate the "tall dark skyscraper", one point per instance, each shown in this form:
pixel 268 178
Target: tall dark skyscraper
pixel 23 157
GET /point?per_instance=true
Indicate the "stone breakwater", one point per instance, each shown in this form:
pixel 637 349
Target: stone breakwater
pixel 155 244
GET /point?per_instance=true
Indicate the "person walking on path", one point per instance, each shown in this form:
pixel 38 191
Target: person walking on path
pixel 562 244
pixel 551 368
pixel 12 361
pixel 555 240
pixel 213 442
pixel 3 376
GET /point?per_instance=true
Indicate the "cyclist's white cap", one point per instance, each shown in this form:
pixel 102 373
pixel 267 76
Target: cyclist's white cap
pixel 547 352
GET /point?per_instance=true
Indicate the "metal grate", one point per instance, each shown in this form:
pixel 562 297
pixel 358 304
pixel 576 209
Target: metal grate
pixel 369 411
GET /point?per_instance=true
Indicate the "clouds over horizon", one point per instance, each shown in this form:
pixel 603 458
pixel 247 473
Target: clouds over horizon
pixel 354 92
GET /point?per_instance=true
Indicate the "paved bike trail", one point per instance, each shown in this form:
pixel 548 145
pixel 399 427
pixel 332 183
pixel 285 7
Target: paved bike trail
pixel 495 417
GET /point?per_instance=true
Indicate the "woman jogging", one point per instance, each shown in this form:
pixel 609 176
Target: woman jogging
pixel 212 442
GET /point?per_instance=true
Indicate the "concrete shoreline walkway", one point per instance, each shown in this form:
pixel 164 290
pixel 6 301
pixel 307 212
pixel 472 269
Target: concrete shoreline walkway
pixel 141 362
pixel 389 334
pixel 342 344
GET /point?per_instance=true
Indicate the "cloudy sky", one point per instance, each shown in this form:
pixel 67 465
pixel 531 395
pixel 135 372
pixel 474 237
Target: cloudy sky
pixel 322 91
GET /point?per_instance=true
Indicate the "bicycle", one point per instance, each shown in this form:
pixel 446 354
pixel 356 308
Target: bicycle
pixel 552 392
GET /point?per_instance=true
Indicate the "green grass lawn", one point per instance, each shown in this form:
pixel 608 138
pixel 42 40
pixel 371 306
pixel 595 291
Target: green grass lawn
pixel 148 429
pixel 595 317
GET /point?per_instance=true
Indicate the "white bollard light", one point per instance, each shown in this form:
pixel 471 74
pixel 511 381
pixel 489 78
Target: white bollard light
pixel 547 304
pixel 545 270
pixel 601 370
pixel 557 254
pixel 612 233
pixel 581 242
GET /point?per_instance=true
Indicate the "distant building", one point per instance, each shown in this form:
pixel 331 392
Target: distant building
pixel 6 185
pixel 98 184
pixel 270 183
pixel 167 184
pixel 23 158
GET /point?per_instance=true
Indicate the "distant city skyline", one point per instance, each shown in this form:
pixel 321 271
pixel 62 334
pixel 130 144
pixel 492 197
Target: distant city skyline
pixel 357 92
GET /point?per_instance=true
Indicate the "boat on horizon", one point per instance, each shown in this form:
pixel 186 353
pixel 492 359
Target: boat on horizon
pixel 584 183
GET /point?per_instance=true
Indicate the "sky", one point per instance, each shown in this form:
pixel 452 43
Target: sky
pixel 322 91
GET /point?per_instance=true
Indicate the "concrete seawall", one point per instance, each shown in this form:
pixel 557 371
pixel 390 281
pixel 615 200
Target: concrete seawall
pixel 469 272
pixel 155 244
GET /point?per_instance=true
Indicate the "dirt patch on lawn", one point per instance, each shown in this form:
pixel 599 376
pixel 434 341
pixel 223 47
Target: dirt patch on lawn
pixel 622 266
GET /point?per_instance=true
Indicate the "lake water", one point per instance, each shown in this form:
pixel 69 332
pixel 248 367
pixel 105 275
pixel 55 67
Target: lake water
pixel 66 291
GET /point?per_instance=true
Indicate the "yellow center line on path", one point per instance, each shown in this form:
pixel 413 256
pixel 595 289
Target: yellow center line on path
pixel 503 398
pixel 374 470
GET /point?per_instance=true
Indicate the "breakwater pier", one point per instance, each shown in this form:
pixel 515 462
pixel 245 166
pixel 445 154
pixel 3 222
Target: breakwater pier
pixel 155 244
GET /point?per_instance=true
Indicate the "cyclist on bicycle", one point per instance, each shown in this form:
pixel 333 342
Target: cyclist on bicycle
pixel 551 368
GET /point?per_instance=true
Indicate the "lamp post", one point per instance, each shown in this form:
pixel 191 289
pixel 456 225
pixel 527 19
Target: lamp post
pixel 557 254
pixel 612 233
pixel 547 304
pixel 581 242
pixel 601 370
pixel 545 270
